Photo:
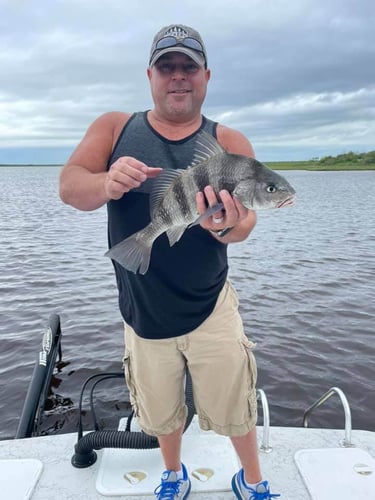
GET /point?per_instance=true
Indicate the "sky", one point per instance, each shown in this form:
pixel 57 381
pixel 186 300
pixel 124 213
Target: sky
pixel 297 77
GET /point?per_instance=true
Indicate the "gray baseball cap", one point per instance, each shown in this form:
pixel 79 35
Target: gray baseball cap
pixel 178 38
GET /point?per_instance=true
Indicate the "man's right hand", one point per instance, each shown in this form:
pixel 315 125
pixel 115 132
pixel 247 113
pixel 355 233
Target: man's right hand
pixel 125 174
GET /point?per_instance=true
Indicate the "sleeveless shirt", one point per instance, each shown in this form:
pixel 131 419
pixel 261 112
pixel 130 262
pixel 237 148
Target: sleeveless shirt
pixel 180 289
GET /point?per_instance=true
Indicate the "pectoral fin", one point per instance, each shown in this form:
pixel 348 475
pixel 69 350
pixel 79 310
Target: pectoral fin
pixel 210 211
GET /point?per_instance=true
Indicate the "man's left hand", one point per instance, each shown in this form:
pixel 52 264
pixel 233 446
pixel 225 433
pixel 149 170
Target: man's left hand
pixel 232 213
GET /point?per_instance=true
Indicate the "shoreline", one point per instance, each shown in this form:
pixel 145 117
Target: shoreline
pixel 312 166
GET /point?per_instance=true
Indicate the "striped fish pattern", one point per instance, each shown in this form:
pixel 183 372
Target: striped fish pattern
pixel 173 197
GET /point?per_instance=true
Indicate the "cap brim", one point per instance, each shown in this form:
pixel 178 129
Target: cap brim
pixel 193 54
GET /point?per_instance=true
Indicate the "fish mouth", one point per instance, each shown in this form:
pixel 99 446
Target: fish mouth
pixel 288 202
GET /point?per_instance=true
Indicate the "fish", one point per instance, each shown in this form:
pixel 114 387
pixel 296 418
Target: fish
pixel 173 197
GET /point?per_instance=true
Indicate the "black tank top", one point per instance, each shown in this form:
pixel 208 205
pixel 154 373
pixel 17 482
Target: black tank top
pixel 181 286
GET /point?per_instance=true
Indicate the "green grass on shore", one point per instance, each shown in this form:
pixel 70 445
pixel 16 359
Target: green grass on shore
pixel 315 165
pixel 344 161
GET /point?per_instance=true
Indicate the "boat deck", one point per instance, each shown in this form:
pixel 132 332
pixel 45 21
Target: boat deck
pixel 116 472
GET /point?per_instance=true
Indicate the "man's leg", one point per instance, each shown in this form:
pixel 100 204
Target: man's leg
pixel 247 450
pixel 170 447
pixel 155 375
pixel 175 483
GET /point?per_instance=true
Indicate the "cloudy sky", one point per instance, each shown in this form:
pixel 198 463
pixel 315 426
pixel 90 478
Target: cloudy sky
pixel 297 77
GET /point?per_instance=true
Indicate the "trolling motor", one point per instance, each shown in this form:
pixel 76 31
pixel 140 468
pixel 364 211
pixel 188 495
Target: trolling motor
pixel 84 454
pixel 41 378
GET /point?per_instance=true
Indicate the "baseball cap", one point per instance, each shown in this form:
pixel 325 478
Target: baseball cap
pixel 178 38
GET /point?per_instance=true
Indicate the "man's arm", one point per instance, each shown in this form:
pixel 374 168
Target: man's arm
pixel 85 182
pixel 235 216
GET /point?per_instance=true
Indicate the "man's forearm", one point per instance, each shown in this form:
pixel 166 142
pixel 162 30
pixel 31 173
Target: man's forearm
pixel 82 189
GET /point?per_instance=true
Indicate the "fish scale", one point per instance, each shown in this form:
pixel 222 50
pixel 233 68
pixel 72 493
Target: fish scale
pixel 182 193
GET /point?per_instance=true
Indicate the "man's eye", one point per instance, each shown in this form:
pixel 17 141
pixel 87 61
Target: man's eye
pixel 184 68
pixel 191 68
pixel 165 68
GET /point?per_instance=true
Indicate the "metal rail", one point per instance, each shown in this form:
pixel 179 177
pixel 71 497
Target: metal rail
pixel 347 443
pixel 265 446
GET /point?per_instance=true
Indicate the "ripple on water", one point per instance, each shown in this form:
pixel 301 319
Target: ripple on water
pixel 305 279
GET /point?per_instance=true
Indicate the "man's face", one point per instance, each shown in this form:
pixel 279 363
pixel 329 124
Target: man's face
pixel 178 85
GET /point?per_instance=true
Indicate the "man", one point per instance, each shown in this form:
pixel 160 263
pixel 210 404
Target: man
pixel 183 311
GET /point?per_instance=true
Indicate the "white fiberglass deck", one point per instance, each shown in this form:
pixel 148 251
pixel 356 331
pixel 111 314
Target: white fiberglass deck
pixel 287 468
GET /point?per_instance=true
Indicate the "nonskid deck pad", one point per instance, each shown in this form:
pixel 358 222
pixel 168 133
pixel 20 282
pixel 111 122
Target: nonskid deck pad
pixel 18 477
pixel 342 473
pixel 210 460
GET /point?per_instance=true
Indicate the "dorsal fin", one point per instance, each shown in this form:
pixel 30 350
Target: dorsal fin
pixel 206 147
pixel 161 184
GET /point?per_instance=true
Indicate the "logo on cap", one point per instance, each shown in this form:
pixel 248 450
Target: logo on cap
pixel 177 32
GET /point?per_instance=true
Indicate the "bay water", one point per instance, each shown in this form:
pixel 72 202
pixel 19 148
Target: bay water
pixel 305 278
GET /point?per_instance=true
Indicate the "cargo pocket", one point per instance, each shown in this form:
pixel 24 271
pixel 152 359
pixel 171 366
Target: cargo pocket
pixel 252 365
pixel 130 381
pixel 248 347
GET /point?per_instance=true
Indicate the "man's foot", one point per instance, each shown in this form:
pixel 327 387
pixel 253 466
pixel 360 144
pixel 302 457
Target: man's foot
pixel 243 492
pixel 172 488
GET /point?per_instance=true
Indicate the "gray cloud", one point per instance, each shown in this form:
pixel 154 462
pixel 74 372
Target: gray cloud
pixel 296 77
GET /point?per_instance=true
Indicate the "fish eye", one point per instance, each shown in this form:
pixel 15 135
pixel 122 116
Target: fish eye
pixel 271 188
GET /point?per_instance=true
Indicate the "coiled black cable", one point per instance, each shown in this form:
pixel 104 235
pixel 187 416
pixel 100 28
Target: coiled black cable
pixel 85 455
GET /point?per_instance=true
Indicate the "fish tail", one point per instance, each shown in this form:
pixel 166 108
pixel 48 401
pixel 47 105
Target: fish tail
pixel 133 253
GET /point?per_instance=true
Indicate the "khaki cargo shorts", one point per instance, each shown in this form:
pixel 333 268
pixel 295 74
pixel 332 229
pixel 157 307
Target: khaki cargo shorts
pixel 222 367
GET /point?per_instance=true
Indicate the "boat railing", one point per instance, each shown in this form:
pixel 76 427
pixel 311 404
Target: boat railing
pixel 347 443
pixel 265 446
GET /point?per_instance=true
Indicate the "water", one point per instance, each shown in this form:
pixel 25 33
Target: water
pixel 305 279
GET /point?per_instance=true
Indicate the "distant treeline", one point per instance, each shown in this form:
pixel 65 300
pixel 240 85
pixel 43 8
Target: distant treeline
pixel 352 158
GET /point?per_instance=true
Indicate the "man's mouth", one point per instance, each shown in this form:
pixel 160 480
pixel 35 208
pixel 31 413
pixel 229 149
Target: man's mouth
pixel 179 91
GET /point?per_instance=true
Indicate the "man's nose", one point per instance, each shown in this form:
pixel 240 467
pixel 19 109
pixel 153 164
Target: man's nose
pixel 179 71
